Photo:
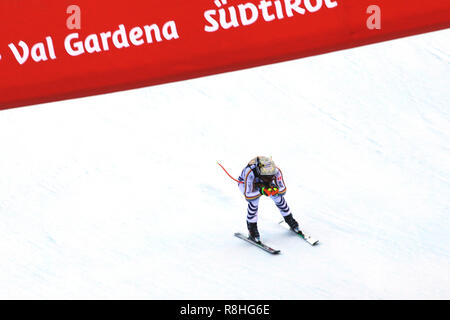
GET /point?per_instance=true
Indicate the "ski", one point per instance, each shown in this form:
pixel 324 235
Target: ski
pixel 259 245
pixel 301 234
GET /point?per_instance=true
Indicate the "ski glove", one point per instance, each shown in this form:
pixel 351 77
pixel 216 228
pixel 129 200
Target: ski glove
pixel 269 191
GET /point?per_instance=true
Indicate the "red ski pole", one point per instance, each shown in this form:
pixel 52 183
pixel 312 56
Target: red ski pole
pixel 228 173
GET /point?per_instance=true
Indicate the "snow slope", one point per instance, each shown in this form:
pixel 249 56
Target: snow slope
pixel 119 196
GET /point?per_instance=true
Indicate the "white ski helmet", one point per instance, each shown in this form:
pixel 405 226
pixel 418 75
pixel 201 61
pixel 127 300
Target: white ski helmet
pixel 265 166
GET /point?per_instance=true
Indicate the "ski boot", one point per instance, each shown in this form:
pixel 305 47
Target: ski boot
pixel 292 223
pixel 253 232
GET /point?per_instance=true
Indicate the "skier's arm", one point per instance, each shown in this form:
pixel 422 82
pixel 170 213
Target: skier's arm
pixel 250 194
pixel 280 182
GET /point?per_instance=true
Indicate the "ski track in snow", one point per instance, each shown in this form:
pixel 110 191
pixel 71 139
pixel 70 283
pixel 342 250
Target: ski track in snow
pixel 119 195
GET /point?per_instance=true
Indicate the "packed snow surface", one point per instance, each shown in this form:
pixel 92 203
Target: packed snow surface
pixel 119 196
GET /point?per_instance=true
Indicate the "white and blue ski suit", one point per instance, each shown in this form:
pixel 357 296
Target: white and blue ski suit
pixel 248 187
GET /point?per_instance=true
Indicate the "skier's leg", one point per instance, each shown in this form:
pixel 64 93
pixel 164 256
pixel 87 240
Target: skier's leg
pixel 252 210
pixel 252 219
pixel 282 205
pixel 285 211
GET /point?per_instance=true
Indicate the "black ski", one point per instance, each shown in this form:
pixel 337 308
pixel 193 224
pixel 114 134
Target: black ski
pixel 257 244
pixel 301 234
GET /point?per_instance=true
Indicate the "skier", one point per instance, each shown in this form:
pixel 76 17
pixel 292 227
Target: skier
pixel 262 178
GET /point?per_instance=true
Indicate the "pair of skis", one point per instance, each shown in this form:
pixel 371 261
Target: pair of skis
pixel 268 249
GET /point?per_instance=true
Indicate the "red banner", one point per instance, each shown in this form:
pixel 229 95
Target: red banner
pixel 53 50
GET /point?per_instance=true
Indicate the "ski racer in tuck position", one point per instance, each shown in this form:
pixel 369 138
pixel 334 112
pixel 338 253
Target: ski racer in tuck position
pixel 262 178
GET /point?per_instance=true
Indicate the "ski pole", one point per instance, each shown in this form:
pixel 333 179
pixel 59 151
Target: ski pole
pixel 228 173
